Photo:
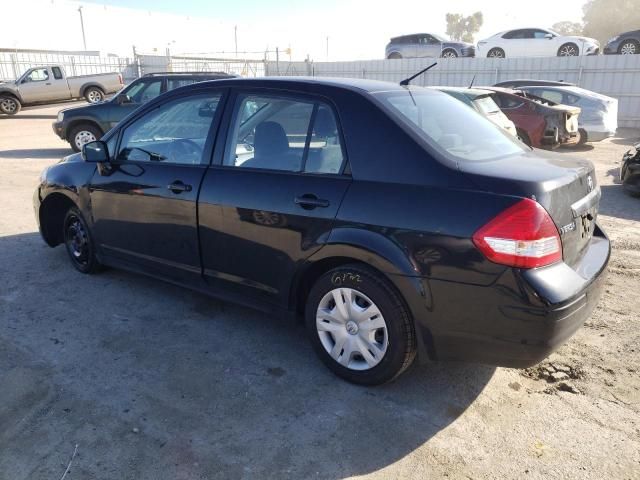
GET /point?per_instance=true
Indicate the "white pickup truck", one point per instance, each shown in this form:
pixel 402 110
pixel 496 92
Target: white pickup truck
pixel 50 84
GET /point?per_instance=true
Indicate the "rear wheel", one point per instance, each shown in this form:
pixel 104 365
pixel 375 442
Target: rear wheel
pixel 94 95
pixel 568 50
pixel 79 243
pixel 496 53
pixel 449 53
pixel 9 105
pixel 394 56
pixel 629 47
pixel 359 326
pixel 82 134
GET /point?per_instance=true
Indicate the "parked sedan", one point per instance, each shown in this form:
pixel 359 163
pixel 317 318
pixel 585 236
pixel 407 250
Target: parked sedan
pixel 482 102
pixel 627 43
pixel 598 116
pixel 427 45
pixel 395 219
pixel 536 42
pixel 539 123
pixel 630 171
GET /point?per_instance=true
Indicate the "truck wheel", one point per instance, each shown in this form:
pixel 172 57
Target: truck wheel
pixel 359 326
pixel 82 134
pixel 584 137
pixel 94 95
pixel 9 105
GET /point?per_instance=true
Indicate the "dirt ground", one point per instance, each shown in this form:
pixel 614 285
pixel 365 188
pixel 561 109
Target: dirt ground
pixel 116 376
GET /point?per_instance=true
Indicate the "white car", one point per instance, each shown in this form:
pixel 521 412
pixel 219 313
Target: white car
pixel 535 42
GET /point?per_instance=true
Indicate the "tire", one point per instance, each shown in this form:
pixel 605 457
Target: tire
pixel 584 138
pixel 9 105
pixel 394 56
pixel 83 134
pixel 94 95
pixel 378 352
pixel 523 137
pixel 568 50
pixel 79 242
pixel 496 53
pixel 629 47
pixel 449 53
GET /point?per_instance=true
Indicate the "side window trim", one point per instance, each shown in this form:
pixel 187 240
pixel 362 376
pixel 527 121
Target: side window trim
pixel 307 142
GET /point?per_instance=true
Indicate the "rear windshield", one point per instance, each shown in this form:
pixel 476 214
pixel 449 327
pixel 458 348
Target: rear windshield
pixel 450 126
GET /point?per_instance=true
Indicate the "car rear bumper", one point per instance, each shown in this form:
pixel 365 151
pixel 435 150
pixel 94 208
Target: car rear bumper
pixel 58 129
pixel 517 321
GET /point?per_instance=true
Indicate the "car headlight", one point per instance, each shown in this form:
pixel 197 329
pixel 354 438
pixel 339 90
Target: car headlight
pixel 60 116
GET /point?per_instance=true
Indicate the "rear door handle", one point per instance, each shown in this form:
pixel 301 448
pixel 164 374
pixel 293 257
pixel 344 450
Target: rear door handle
pixel 309 201
pixel 179 187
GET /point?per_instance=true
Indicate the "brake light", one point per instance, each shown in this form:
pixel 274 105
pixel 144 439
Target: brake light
pixel 120 79
pixel 522 236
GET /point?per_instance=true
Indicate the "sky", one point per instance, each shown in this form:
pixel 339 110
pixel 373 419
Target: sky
pixel 355 29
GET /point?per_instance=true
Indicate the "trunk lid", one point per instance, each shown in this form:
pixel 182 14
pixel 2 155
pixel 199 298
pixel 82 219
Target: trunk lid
pixel 565 187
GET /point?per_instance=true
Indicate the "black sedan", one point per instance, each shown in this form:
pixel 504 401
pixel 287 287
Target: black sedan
pixel 630 171
pixel 395 220
pixel 627 43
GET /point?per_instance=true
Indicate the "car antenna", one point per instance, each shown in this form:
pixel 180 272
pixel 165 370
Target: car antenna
pixel 472 80
pixel 406 81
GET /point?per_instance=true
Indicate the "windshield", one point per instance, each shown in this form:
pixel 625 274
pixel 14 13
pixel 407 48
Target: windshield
pixel 439 37
pixel 450 126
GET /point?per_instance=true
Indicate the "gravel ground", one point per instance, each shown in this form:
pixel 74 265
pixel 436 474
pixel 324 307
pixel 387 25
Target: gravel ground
pixel 119 376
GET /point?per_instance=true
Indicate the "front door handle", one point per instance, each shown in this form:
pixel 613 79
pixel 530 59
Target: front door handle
pixel 179 187
pixel 309 201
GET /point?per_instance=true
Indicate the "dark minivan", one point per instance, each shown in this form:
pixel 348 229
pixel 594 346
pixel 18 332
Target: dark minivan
pixel 81 125
pixel 395 219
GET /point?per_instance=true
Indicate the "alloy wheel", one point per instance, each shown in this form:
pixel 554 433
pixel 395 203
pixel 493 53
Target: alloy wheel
pixel 83 137
pixel 629 48
pixel 94 96
pixel 8 105
pixel 449 54
pixel 568 51
pixel 352 329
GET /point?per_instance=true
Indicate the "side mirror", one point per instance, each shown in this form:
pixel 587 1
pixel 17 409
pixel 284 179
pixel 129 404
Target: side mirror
pixel 548 36
pixel 95 152
pixel 123 98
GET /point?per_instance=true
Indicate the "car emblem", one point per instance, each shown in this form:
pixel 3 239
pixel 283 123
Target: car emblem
pixel 590 183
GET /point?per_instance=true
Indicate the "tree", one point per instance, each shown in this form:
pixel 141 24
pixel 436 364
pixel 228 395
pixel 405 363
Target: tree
pixel 568 28
pixel 461 28
pixel 604 19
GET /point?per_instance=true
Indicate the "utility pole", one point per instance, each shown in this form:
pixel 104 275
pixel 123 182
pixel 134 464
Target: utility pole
pixel 84 40
pixel 235 37
pixel 327 48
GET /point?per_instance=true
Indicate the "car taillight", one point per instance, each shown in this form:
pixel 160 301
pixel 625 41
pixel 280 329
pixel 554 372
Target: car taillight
pixel 120 79
pixel 522 236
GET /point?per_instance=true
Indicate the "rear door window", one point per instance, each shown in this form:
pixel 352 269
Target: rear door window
pixel 173 83
pixel 284 133
pixel 57 73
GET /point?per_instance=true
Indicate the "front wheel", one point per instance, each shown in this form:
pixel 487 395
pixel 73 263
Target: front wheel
pixel 9 105
pixel 82 134
pixel 94 95
pixel 568 50
pixel 79 243
pixel 359 326
pixel 449 53
pixel 496 53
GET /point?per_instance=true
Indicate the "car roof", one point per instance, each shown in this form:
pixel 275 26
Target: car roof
pixel 354 84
